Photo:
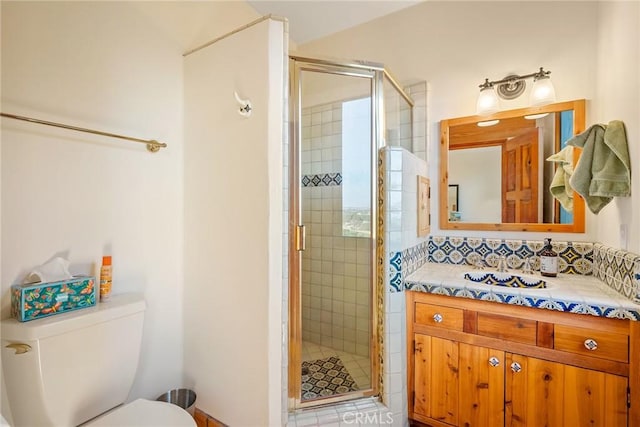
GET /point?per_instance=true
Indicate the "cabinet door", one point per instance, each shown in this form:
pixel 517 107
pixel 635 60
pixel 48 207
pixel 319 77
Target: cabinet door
pixel 458 384
pixel 542 393
pixel 436 379
pixel 534 392
pixel 481 385
pixel 594 398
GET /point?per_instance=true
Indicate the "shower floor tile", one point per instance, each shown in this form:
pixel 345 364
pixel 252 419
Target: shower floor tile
pixel 358 366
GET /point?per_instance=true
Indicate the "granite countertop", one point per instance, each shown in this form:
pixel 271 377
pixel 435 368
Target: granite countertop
pixel 568 292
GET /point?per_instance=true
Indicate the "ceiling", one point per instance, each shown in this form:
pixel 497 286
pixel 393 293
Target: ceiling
pixel 314 19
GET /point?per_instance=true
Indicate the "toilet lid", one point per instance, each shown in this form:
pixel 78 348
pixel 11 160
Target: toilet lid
pixel 145 413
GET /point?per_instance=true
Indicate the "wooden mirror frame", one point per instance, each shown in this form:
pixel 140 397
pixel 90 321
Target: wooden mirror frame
pixel 578 225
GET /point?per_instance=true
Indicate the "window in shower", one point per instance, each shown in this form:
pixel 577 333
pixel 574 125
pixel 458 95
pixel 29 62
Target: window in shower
pixel 356 168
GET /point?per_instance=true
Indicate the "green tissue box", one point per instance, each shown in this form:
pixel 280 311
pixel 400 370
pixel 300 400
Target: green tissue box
pixel 35 300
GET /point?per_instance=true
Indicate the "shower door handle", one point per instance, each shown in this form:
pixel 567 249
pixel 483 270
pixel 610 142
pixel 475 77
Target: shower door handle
pixel 301 238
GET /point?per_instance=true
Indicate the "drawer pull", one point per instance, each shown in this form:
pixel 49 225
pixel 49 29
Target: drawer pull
pixel 515 367
pixel 590 344
pixel 438 318
pixel 494 361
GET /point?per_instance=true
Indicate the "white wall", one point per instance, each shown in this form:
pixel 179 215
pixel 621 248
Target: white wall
pixel 455 45
pixel 618 98
pixel 233 226
pixel 83 196
pixel 478 173
pixel 113 66
pixel 412 167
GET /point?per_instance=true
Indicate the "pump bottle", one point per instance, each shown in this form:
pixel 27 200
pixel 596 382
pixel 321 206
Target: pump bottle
pixel 548 260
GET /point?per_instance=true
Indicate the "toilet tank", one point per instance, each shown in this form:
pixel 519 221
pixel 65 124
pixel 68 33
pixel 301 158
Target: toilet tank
pixel 77 365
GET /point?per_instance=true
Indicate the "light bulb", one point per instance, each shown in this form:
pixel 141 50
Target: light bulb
pixel 536 116
pixel 488 102
pixel 542 92
pixel 488 123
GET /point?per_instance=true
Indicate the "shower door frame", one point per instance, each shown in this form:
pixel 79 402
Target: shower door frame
pixel 375 72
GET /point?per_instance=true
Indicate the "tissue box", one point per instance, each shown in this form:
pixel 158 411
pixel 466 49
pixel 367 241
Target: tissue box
pixel 36 300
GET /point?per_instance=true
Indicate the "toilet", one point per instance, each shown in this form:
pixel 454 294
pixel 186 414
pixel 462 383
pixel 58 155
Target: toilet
pixel 78 368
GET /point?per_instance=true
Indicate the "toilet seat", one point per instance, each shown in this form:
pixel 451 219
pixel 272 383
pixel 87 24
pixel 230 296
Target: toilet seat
pixel 145 413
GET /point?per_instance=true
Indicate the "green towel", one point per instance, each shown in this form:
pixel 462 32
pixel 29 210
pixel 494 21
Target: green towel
pixel 560 187
pixel 603 171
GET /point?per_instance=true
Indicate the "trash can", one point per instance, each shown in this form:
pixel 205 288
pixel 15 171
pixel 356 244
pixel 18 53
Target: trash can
pixel 183 397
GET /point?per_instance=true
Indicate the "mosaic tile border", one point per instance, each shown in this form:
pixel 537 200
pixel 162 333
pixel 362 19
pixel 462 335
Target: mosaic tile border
pixel 574 257
pixel 402 264
pixel 381 287
pixel 322 180
pixel 395 272
pixel 619 269
pixel 415 257
pixel 526 301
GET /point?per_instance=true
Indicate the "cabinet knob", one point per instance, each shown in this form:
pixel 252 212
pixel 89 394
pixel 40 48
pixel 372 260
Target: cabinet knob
pixel 494 361
pixel 437 318
pixel 590 344
pixel 515 367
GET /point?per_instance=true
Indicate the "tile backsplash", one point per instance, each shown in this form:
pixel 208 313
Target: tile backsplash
pixel 574 257
pixel 617 268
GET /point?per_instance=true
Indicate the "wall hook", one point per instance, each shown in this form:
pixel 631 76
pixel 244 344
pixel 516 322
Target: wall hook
pixel 245 106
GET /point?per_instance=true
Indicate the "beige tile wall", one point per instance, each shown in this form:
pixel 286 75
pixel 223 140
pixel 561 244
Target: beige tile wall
pixel 335 268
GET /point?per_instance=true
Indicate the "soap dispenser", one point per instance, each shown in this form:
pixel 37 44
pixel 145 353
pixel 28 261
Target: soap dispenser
pixel 548 260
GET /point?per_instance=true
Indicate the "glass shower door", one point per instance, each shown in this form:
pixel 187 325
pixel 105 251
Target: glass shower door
pixel 334 175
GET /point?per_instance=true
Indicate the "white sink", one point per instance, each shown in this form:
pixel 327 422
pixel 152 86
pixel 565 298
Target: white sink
pixel 507 279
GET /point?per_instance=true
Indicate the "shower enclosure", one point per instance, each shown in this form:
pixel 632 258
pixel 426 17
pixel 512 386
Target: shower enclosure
pixel 342 113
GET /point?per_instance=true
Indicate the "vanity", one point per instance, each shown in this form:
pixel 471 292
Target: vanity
pixel 478 358
pixel 490 349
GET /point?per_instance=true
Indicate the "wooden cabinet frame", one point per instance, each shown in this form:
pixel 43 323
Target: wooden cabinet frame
pixel 578 225
pixel 604 367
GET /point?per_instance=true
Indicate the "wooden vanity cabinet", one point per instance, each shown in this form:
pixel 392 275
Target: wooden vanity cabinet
pixel 543 393
pixel 475 363
pixel 455 385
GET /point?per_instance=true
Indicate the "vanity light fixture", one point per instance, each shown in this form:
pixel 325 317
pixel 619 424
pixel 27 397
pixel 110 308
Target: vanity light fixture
pixel 511 87
pixel 488 102
pixel 488 123
pixel 542 92
pixel 536 116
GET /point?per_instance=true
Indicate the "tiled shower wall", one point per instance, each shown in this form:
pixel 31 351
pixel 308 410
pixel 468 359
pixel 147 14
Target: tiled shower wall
pixel 401 205
pixel 400 131
pixel 402 170
pixel 398 232
pixel 335 268
pixel 397 114
pixel 419 92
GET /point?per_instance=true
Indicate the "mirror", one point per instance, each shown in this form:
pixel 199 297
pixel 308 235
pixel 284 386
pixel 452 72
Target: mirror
pixel 496 166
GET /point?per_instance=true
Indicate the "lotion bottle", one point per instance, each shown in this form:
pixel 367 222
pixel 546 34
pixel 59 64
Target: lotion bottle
pixel 105 279
pixel 548 260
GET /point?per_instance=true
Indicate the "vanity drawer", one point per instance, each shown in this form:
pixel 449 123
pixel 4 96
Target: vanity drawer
pixel 605 345
pixel 507 328
pixel 438 315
